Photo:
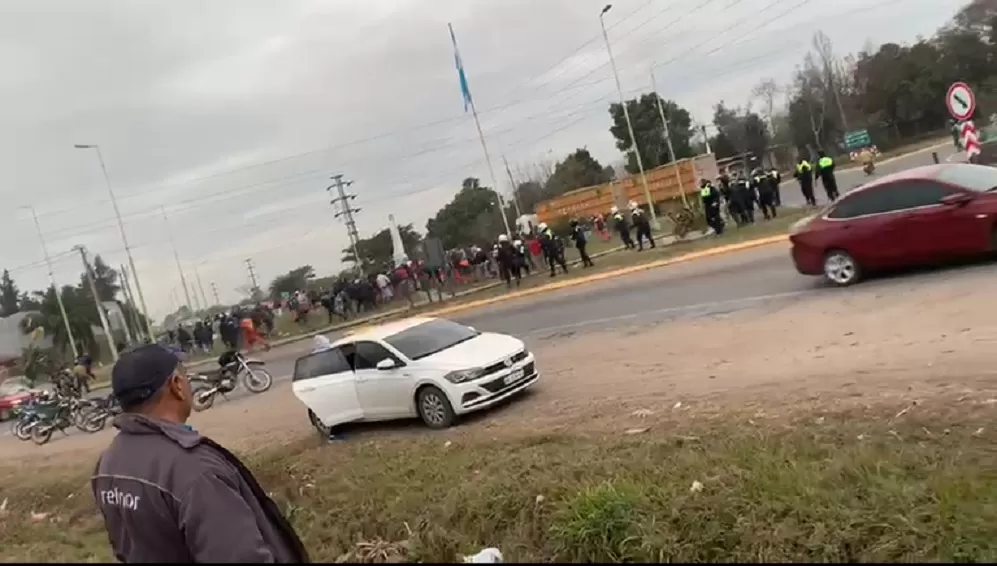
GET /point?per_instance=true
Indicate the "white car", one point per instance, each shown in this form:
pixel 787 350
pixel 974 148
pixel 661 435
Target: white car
pixel 430 368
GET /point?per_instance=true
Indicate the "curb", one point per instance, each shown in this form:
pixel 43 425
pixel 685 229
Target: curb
pixel 722 250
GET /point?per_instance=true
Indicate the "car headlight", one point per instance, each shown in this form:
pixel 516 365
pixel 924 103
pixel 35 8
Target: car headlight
pixel 464 375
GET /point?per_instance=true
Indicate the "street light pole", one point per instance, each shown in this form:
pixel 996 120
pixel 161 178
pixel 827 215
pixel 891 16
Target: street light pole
pixel 626 116
pixel 96 299
pixel 668 140
pixel 176 257
pixel 55 287
pixel 124 238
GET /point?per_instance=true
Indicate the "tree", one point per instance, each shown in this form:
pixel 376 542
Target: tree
pixel 80 312
pixel 472 217
pixel 289 282
pixel 377 252
pixel 650 132
pixel 9 295
pixel 105 279
pixel 578 170
pixel 739 131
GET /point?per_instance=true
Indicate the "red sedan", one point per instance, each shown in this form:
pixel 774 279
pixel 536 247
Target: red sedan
pixel 919 216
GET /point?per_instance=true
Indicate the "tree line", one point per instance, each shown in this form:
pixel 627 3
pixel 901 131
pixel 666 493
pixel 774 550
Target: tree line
pixel 44 314
pixel 894 91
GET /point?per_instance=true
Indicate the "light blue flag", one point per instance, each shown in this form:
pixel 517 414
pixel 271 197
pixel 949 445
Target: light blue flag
pixel 464 90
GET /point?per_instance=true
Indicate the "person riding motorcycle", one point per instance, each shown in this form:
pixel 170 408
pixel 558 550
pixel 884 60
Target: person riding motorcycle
pixel 868 160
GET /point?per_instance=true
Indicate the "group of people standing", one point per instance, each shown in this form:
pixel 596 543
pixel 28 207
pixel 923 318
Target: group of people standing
pixel 742 193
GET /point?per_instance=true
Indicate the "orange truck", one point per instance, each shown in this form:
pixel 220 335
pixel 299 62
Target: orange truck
pixel 662 182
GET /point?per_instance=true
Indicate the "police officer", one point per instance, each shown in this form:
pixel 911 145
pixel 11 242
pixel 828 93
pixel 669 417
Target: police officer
pixel 508 263
pixel 622 228
pixel 168 494
pixel 552 248
pixel 746 197
pixel 642 225
pixel 805 176
pixel 578 235
pixel 825 168
pixel 775 178
pixel 710 197
pixel 762 186
pixel 525 260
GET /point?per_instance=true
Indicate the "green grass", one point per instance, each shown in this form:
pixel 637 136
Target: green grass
pixel 849 487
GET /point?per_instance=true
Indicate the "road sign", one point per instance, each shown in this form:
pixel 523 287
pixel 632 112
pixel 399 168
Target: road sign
pixel 857 139
pixel 970 139
pixel 961 101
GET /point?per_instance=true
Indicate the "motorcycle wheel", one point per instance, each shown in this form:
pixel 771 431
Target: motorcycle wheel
pixel 258 380
pixel 94 421
pixel 42 433
pixel 22 430
pixel 202 401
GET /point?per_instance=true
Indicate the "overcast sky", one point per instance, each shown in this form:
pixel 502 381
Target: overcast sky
pixel 233 113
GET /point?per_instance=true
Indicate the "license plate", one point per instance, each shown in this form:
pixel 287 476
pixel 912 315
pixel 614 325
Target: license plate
pixel 513 377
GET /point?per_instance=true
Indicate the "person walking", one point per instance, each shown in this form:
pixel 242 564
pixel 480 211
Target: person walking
pixel 805 176
pixel 578 235
pixel 168 494
pixel 825 169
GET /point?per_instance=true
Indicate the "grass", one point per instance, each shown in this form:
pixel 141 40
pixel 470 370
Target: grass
pixel 845 487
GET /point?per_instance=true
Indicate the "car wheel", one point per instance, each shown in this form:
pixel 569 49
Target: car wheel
pixel 841 268
pixel 434 408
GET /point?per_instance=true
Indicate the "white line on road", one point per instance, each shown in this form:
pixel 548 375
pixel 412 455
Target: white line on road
pixel 666 310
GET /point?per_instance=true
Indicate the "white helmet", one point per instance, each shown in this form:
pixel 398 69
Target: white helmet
pixel 632 204
pixel 614 209
pixel 542 226
pixel 517 243
pixel 503 238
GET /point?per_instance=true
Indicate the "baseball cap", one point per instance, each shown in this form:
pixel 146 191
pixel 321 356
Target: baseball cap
pixel 140 373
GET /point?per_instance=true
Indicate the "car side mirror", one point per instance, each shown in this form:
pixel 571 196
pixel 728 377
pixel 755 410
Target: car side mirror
pixel 386 364
pixel 956 199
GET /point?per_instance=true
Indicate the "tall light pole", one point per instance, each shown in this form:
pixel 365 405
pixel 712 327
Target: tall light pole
pixel 626 116
pixel 96 299
pixel 176 257
pixel 124 238
pixel 51 280
pixel 668 140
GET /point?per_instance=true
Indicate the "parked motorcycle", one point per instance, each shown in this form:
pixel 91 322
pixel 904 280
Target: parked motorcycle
pixel 234 368
pixel 94 417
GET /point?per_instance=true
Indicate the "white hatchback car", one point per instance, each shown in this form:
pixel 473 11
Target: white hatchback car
pixel 430 368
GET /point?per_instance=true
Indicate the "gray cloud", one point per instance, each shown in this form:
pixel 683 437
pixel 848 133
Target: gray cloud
pixel 232 114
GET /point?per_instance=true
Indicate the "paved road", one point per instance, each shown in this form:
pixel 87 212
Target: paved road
pixel 851 178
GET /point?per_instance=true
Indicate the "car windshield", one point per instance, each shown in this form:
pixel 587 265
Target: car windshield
pixel 979 178
pixel 430 337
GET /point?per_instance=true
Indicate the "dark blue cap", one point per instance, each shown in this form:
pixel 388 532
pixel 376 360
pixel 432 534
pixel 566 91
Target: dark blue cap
pixel 140 373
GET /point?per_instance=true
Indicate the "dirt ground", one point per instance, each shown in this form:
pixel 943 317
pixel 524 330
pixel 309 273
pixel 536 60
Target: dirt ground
pixel 903 341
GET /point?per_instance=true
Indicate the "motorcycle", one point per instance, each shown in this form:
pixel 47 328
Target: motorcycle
pixel 94 418
pixel 235 368
pixel 869 168
pixel 59 415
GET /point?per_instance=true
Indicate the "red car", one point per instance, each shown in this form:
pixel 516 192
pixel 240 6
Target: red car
pixel 12 394
pixel 919 216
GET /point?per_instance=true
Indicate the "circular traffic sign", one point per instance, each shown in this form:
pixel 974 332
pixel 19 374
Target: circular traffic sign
pixel 961 101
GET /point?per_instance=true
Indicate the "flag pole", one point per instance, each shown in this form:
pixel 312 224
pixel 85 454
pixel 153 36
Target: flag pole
pixel 481 136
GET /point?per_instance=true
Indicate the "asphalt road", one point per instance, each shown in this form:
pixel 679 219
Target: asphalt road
pixel 851 178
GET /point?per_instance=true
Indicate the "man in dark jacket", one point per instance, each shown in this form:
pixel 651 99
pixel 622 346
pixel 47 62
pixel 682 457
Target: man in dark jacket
pixel 553 249
pixel 168 494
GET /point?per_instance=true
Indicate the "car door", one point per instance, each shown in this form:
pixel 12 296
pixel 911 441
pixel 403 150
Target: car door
pixel 860 219
pixel 326 384
pixel 935 230
pixel 384 393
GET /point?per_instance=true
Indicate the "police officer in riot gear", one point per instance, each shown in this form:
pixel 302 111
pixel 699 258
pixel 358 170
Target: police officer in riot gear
pixel 508 262
pixel 578 235
pixel 776 179
pixel 745 197
pixel 642 225
pixel 622 227
pixel 552 247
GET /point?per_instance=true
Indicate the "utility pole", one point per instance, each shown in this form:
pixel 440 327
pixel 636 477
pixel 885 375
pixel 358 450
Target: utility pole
pixel 214 291
pixel 515 197
pixel 630 127
pixel 252 277
pixel 706 138
pixel 126 288
pixel 200 286
pixel 55 287
pixel 96 299
pixel 176 256
pixel 346 211
pixel 668 140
